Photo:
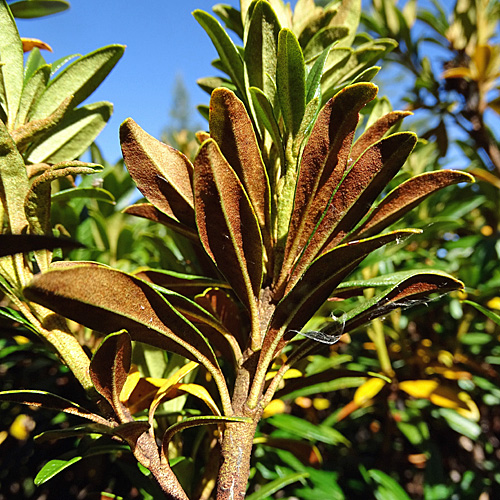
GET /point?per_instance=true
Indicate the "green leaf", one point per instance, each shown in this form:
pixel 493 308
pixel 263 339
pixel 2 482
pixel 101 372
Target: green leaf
pixel 268 489
pixel 109 369
pixel 13 181
pixel 261 48
pixel 231 18
pixel 323 39
pixel 11 69
pixel 93 193
pixel 73 135
pixel 79 79
pixel 387 487
pixel 299 427
pixel 28 9
pixel 348 16
pixel 232 130
pixel 228 53
pixel 313 82
pixel 487 312
pixel 227 225
pixel 162 174
pixel 34 61
pixel 265 115
pixel 291 80
pixel 53 467
pixel 32 90
pixel 51 402
pixel 37 203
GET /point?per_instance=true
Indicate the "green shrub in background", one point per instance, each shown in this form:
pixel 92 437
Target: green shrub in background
pixel 274 212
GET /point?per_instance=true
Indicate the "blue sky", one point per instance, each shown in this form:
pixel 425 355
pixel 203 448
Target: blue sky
pixel 163 39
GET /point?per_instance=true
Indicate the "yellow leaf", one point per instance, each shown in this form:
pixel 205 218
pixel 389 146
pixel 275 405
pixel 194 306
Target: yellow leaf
pixel 321 403
pixel 443 396
pixel 200 392
pixel 130 384
pixel 167 385
pixel 494 303
pixel 419 388
pixel 274 407
pixel 21 427
pixel 368 390
pixel 482 58
pixel 31 43
pixel 291 373
pixel 457 73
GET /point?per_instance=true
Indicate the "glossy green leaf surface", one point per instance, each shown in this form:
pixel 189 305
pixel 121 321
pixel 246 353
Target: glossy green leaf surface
pixel 272 487
pixel 53 467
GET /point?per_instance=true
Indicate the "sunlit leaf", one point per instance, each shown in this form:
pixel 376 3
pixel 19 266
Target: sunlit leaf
pixel 291 80
pixel 28 9
pixel 162 174
pixel 11 70
pixel 79 79
pixel 231 128
pixel 227 224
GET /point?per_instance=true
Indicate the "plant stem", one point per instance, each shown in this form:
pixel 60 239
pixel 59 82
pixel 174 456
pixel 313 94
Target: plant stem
pixel 236 453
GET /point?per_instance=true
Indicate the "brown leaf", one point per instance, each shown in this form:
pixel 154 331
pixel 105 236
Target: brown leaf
pixel 231 128
pixel 162 174
pixel 355 195
pixel 109 369
pixel 107 300
pixel 320 280
pixel 227 225
pixel 322 166
pixel 407 196
pixel 167 218
pixel 374 133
